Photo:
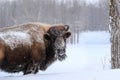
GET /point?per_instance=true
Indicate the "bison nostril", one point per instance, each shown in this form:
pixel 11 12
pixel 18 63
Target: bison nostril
pixel 58 50
pixel 64 50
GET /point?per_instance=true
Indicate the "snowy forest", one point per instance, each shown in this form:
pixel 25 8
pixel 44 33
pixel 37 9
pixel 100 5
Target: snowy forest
pixel 80 15
pixel 92 49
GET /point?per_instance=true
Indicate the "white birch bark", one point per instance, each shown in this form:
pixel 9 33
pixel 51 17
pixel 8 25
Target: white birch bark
pixel 115 32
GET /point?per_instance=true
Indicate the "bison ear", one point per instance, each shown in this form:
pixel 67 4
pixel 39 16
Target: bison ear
pixel 66 27
pixel 68 34
pixel 47 36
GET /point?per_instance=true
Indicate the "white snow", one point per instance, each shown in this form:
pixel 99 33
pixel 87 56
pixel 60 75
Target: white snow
pixel 91 1
pixel 15 38
pixel 7 0
pixel 88 60
pixel 98 38
pixel 94 2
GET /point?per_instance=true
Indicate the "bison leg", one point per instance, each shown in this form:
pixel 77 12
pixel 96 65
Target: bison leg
pixel 45 64
pixel 38 56
pixel 31 68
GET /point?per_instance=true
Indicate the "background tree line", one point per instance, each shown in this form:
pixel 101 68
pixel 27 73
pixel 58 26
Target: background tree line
pixel 79 15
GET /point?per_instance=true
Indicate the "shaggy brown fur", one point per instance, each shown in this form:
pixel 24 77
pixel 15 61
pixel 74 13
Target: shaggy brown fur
pixel 30 58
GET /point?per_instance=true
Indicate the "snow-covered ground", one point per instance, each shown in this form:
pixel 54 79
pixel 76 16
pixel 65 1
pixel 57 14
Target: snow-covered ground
pixel 88 60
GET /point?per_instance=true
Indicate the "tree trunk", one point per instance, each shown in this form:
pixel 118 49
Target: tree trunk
pixel 115 33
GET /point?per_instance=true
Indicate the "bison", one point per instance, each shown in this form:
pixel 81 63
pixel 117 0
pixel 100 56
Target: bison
pixel 32 47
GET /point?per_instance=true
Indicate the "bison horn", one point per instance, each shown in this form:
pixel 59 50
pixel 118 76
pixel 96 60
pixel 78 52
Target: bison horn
pixel 66 27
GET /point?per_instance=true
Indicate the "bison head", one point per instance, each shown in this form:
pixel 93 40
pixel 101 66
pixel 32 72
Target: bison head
pixel 57 36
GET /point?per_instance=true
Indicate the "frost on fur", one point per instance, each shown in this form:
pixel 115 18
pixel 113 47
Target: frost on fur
pixel 13 39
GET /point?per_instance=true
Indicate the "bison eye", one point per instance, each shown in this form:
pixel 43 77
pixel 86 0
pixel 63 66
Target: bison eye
pixel 53 38
pixel 47 36
pixel 68 34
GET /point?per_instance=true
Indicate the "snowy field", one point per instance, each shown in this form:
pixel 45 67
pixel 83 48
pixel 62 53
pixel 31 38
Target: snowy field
pixel 88 60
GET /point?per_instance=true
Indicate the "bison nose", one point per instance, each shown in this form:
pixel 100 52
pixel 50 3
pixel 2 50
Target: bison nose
pixel 60 51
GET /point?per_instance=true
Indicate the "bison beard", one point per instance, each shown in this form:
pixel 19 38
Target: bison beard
pixel 38 47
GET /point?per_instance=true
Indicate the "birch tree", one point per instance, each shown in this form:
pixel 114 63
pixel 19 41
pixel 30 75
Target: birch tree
pixel 115 32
